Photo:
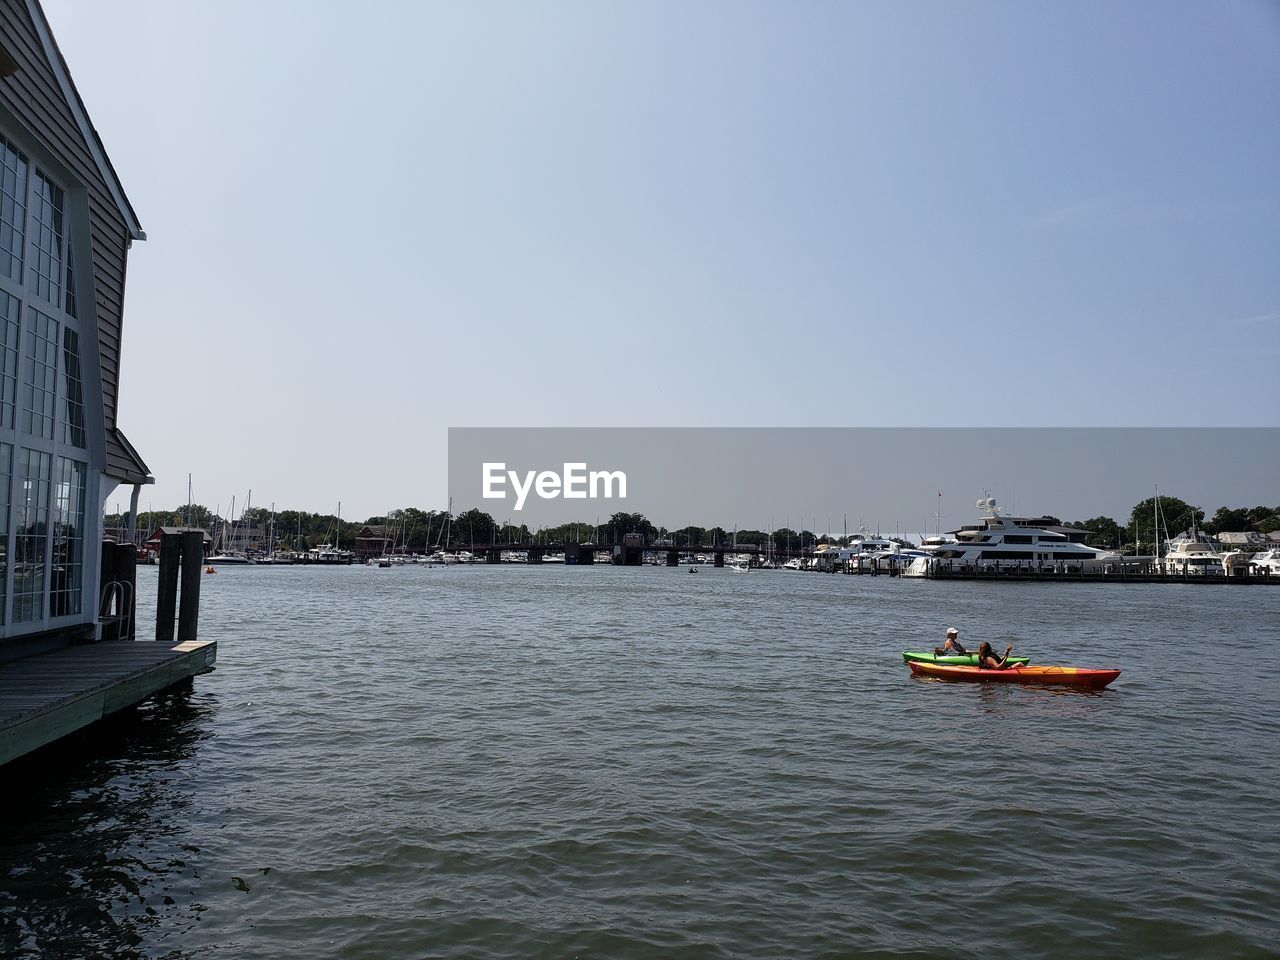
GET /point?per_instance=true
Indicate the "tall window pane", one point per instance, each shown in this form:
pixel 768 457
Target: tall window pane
pixel 6 474
pixel 13 208
pixel 46 239
pixel 72 390
pixel 42 367
pixel 68 538
pixel 70 305
pixel 8 359
pixel 31 541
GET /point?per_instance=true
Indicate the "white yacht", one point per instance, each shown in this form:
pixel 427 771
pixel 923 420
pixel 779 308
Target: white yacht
pixel 1266 562
pixel 328 553
pixel 1007 541
pixel 222 559
pixel 1193 553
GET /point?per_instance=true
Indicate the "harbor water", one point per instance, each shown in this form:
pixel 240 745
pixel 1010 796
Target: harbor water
pixel 512 762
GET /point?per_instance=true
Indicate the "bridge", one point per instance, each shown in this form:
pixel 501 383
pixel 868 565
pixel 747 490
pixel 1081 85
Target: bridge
pixel 629 553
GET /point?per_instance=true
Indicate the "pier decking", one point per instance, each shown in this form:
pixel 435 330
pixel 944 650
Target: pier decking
pixel 50 695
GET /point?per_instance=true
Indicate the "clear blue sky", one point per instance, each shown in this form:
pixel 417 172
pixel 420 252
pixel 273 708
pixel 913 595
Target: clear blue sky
pixel 368 223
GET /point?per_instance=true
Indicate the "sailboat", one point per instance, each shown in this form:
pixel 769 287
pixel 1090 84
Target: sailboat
pixel 270 556
pixel 225 551
pixel 328 553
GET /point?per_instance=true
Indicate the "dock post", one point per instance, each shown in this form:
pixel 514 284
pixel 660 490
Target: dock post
pixel 167 588
pixel 189 599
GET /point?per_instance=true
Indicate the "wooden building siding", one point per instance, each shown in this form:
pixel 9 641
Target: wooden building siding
pixel 35 97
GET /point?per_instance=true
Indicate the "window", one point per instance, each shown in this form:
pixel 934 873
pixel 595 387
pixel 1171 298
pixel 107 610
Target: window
pixel 1016 538
pixel 31 541
pixel 46 239
pixel 65 586
pixel 8 358
pixel 72 390
pixel 70 306
pixel 42 365
pixel 13 209
pixel 6 473
pixel 48 493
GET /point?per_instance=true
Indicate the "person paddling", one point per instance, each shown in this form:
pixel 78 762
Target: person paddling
pixel 953 647
pixel 987 659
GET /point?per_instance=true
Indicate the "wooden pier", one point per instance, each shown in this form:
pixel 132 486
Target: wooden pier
pixel 50 695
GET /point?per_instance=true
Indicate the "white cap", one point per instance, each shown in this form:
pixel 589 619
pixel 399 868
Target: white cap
pixel 953 630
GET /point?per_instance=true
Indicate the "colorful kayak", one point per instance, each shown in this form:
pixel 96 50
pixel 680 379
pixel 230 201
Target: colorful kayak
pixel 1056 676
pixel 968 660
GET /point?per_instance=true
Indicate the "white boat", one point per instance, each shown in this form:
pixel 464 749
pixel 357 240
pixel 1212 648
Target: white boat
pixel 1236 560
pixel 1193 553
pixel 1008 541
pixel 225 559
pixel 1267 562
pixel 328 553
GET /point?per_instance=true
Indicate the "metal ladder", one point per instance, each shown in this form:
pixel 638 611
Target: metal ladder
pixel 117 594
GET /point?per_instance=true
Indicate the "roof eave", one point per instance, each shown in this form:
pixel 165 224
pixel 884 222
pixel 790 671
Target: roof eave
pixel 92 140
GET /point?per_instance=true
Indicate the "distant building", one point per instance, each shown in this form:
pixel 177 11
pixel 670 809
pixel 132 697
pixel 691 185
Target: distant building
pixel 373 540
pixel 153 542
pixel 65 231
pixel 1249 539
pixel 242 537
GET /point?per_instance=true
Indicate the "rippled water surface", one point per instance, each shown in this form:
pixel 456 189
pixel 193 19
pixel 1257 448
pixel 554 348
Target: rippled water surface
pixel 602 762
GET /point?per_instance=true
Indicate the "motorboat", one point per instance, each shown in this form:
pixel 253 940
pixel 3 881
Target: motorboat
pixel 1007 541
pixel 328 553
pixel 1236 562
pixel 1267 562
pixel 1193 553
pixel 226 559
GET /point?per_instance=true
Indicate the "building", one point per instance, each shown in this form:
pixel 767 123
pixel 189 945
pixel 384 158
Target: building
pixel 374 540
pixel 153 542
pixel 1243 540
pixel 65 232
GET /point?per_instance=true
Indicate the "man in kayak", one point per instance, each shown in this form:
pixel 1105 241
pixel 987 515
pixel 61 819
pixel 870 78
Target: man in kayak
pixel 987 659
pixel 953 647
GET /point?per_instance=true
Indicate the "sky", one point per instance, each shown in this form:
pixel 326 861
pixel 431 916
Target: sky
pixel 364 231
pixel 836 480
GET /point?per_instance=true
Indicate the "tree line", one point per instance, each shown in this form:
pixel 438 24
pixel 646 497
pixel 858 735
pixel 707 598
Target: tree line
pixel 415 530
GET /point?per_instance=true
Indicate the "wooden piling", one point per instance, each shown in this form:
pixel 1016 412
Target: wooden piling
pixel 192 570
pixel 167 588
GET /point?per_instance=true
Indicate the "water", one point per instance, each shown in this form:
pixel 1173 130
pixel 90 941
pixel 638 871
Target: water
pixel 500 762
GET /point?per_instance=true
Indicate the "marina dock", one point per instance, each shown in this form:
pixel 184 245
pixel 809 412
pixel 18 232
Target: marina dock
pixel 50 695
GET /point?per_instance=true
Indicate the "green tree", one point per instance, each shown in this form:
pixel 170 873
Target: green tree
pixel 689 536
pixel 1175 517
pixel 784 538
pixel 1224 518
pixel 620 524
pixel 474 526
pixel 1103 532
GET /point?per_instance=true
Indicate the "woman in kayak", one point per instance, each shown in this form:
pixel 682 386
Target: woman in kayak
pixel 987 659
pixel 953 647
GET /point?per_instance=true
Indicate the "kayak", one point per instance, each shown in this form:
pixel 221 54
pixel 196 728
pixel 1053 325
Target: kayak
pixel 1056 676
pixel 968 660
